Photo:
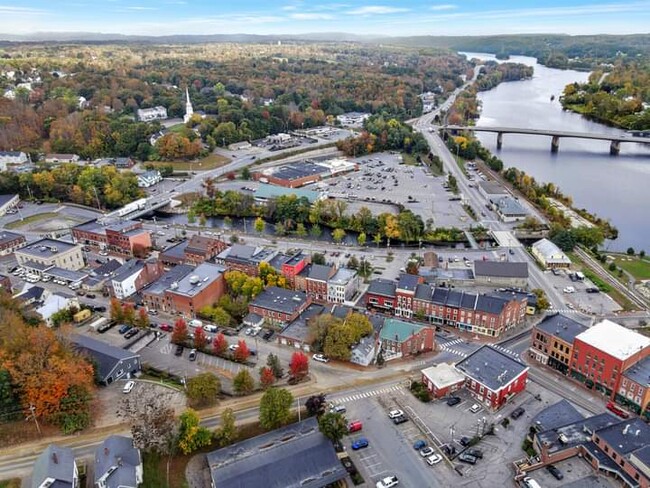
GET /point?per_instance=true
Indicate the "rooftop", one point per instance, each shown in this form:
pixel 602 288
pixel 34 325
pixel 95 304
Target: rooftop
pixel 398 330
pixel 575 433
pixel 342 276
pixel 175 274
pixel 509 206
pixel 561 326
pixel 117 456
pixel 408 282
pixel 382 287
pixel 492 188
pixel 491 367
pixel 299 328
pixel 270 460
pixel 66 274
pixel 7 237
pixel 614 339
pixel 443 375
pixel 639 372
pixel 556 415
pixel 501 269
pixel 197 280
pixel 57 463
pixel 104 354
pixel 176 251
pixel 129 268
pixel 550 251
pixel 267 192
pixel 280 299
pixel 4 199
pixel 319 272
pixel 201 244
pixel 46 248
pixel 300 169
pixel 626 436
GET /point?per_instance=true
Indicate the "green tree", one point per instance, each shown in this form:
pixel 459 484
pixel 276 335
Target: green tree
pixel 377 239
pixel 75 410
pixel 273 362
pixel 301 231
pixel 243 382
pixel 191 436
pixel 280 229
pixel 246 173
pixel 203 389
pixel 630 251
pixel 318 258
pixel 353 262
pixel 338 235
pixel 642 254
pixel 9 400
pixel 226 434
pixel 361 239
pixel 259 225
pixel 334 426
pixel 542 300
pixel 315 230
pixel 275 408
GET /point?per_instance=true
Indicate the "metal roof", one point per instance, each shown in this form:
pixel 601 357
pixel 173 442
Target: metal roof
pixel 398 330
pixel 561 326
pixel 550 251
pixel 105 355
pixel 280 299
pixel 501 269
pixel 117 453
pixel 491 368
pixel 408 282
pixel 57 463
pixel 382 287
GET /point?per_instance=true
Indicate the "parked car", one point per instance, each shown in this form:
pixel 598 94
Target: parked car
pixel 400 420
pixel 99 308
pixel 556 473
pixel 611 406
pixel 360 444
pixel 435 459
pixel 355 426
pixel 466 458
pixel 517 412
pixel 387 482
pixel 192 355
pixel 267 335
pixel 90 295
pixel 419 444
pixel 475 408
pixel 338 409
pixel 124 329
pixel 179 350
pixel 477 453
pixel 426 452
pixel 395 413
pixel 128 387
pixel 166 327
pixel 464 441
pixel 449 449
pixel 451 401
pixel 320 358
pixel 130 333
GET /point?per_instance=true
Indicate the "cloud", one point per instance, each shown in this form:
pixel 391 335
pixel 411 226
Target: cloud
pixel 311 16
pixel 140 8
pixel 444 6
pixel 13 10
pixel 376 10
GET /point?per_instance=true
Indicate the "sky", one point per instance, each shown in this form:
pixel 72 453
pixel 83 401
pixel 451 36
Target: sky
pixel 385 17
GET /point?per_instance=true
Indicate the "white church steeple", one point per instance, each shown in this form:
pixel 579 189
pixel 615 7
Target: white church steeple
pixel 189 111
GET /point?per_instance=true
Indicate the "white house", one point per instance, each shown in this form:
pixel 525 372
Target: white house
pixel 61 158
pixel 149 178
pixel 352 119
pixel 342 286
pixel 53 304
pixel 12 157
pixel 149 114
pixel 124 282
pixel 549 255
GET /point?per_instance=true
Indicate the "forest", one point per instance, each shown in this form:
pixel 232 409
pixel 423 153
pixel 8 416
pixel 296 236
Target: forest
pixel 493 73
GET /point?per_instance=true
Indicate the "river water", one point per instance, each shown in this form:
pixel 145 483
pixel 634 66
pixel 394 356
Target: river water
pixel 613 187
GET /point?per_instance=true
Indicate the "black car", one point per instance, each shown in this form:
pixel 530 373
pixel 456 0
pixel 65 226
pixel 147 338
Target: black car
pixel 90 295
pixel 451 401
pixel 99 308
pixel 464 441
pixel 130 333
pixel 467 458
pixel 179 350
pixel 400 419
pixel 517 412
pixel 192 355
pixel 557 474
pixel 267 335
pixel 449 449
pixel 592 290
pixel 477 453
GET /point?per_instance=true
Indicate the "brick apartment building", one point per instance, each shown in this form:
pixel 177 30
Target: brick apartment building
pixel 10 242
pixel 552 341
pixel 399 339
pixel 125 237
pixel 278 305
pixel 203 248
pixel 405 293
pixel 634 390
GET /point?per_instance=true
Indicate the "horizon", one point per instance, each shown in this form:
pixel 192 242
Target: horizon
pixel 444 18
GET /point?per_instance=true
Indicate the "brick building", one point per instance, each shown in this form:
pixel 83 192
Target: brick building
pixel 290 266
pixel 442 379
pixel 203 286
pixel 154 296
pixel 10 242
pixel 278 305
pixel 552 341
pixel 125 237
pixel 133 276
pixel 400 339
pixel 405 293
pixel 316 278
pixel 634 389
pixel 492 376
pixel 244 258
pixel 381 295
pixel 203 248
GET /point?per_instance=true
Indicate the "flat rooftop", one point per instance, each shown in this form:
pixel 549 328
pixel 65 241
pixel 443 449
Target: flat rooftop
pixel 443 375
pixel 198 279
pixel 175 274
pixel 491 367
pixel 561 326
pixel 294 171
pixel 6 236
pixel 640 372
pixel 280 299
pixel 614 339
pixel 46 248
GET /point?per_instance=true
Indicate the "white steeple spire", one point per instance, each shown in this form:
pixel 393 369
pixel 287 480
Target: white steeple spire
pixel 188 106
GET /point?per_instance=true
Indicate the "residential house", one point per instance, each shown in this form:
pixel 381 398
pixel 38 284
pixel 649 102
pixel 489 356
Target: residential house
pixel 203 286
pixel 123 163
pixel 442 379
pixel 12 157
pixel 61 158
pixel 399 339
pixel 154 113
pixel 549 255
pixel 501 273
pixel 278 305
pixel 134 275
pixel 55 467
pixel 10 242
pixel 53 304
pixel 43 254
pixel 31 295
pixel 492 376
pixel 245 258
pixel 603 352
pixel 8 202
pixel 113 363
pixel 149 178
pixel 342 286
pixel 316 278
pixel 125 237
pixel 118 463
pixel 297 455
pixel 203 248
pixel 552 341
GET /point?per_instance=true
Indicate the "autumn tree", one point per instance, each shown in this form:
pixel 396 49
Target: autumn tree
pixel 200 339
pixel 226 434
pixel 203 389
pixel 259 225
pixel 242 352
pixel 191 436
pixel 180 332
pixel 267 378
pixel 316 404
pixel 116 313
pixel 220 344
pixel 243 382
pixel 299 365
pixel 128 314
pixel 142 321
pixel 338 235
pixel 275 408
pixel 151 419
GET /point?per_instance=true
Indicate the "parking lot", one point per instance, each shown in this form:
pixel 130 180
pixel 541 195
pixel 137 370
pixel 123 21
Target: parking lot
pixel 580 299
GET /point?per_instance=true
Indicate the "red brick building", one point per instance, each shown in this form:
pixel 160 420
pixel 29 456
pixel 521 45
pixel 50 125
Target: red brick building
pixel 552 341
pixel 316 278
pixel 603 352
pixel 10 241
pixel 293 267
pixel 203 248
pixel 405 293
pixel 278 305
pixel 399 339
pixel 381 295
pixel 634 389
pixel 492 376
pixel 201 287
pixel 125 237
pixel 442 379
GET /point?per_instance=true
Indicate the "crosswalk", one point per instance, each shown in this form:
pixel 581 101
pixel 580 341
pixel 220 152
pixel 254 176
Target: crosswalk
pixel 505 350
pixel 448 347
pixel 563 310
pixel 368 394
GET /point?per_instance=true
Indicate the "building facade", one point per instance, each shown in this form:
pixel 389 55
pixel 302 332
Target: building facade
pixel 552 341
pixel 45 253
pixel 10 242
pixel 203 286
pixel 125 237
pixel 399 339
pixel 342 286
pixel 278 305
pixel 549 255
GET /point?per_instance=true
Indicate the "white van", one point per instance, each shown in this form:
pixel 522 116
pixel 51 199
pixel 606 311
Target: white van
pixel 530 483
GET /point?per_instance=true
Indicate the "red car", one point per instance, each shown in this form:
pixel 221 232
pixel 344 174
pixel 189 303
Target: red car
pixel 612 407
pixel 166 327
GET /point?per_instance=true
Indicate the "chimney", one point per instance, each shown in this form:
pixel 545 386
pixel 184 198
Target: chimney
pixel 55 458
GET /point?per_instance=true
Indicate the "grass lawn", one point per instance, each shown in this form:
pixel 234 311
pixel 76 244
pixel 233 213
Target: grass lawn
pixel 155 471
pixel 409 159
pixel 209 162
pixel 12 483
pixel 639 268
pixel 31 219
pixel 461 164
pixel 177 128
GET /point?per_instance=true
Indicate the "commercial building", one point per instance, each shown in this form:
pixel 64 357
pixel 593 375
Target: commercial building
pixel 442 379
pixel 634 390
pixel 244 258
pixel 278 305
pixel 381 295
pixel 133 276
pixel 8 202
pixel 297 455
pixel 55 467
pixel 43 254
pixel 501 273
pixel 492 190
pixel 10 242
pixel 603 352
pixel 149 114
pixel 203 248
pixel 552 341
pixel 125 237
pixel 200 288
pixel 316 277
pixel 295 175
pixel 399 339
pixel 113 363
pixel 149 178
pixel 264 193
pixel 352 119
pixel 290 266
pixel 154 296
pixel 549 255
pixel 297 333
pixel 492 376
pixel 405 293
pixel 342 286
pixel 118 463
pixel 508 209
pixel 240 146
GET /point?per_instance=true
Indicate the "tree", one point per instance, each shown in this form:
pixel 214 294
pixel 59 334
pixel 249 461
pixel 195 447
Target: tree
pixel 220 344
pixel 412 267
pixel 338 235
pixel 245 173
pixel 191 436
pixel 180 332
pixel 128 314
pixel 9 401
pixel 151 419
pixel 301 231
pixel 259 225
pixel 315 231
pixel 318 258
pixel 200 339
pixel 273 362
pixel 333 425
pixel 242 352
pixel 142 321
pixel 299 365
pixel 377 239
pixel 226 434
pixel 316 404
pixel 267 378
pixel 361 239
pixel 203 389
pixel 75 410
pixel 542 300
pixel 630 251
pixel 341 335
pixel 116 312
pixel 353 263
pixel 275 408
pixel 243 382
pixel 641 254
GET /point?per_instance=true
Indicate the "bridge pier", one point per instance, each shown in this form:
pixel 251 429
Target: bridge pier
pixel 555 144
pixel 615 148
pixel 499 140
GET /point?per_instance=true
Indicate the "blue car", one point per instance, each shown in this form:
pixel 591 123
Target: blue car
pixel 360 443
pixel 419 445
pixel 125 328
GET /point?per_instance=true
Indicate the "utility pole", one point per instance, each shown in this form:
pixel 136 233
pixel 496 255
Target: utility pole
pixel 99 207
pixel 32 409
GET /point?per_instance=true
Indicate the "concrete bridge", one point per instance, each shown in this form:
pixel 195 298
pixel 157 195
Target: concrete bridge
pixel 614 139
pixel 151 204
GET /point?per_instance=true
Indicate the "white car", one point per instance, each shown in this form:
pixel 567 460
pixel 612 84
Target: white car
pixel 320 358
pixel 475 408
pixel 435 459
pixel 393 414
pixel 233 347
pixel 128 387
pixel 103 253
pixel 387 482
pixel 427 452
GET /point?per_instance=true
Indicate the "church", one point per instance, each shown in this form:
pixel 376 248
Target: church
pixel 189 110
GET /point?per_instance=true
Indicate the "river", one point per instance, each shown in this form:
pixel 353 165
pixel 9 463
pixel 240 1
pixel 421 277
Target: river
pixel 613 187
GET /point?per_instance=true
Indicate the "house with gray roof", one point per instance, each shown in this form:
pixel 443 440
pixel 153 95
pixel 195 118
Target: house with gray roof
pixel 10 241
pixel 297 334
pixel 55 467
pixel 342 286
pixel 295 456
pixel 279 305
pixel 245 258
pixel 118 464
pixel 501 273
pixel 112 363
pixel 549 255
